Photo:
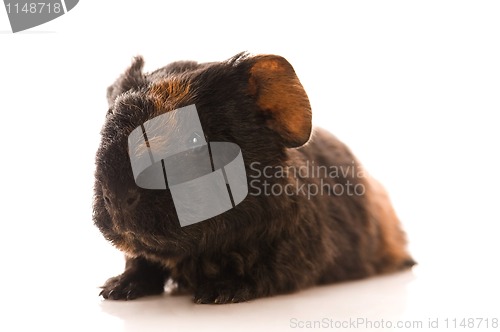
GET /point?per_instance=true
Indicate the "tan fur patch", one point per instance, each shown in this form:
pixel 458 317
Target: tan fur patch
pixel 169 93
pixel 278 90
pixel 392 251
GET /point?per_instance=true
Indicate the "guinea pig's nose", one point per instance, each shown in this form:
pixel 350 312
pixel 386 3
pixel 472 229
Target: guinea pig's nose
pixel 130 200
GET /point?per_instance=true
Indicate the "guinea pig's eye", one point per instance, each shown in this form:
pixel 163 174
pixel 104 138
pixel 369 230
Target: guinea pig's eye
pixel 194 140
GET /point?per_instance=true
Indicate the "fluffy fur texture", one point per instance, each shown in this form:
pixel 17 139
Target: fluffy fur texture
pixel 268 244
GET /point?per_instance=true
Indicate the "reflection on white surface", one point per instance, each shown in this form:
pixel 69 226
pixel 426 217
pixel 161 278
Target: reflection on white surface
pixel 412 88
pixel 409 297
pixel 277 314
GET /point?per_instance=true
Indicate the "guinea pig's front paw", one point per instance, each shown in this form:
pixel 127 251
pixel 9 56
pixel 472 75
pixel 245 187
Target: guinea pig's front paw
pixel 127 287
pixel 224 292
pixel 141 278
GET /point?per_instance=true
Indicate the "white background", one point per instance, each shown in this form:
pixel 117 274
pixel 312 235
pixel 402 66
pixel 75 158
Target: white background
pixel 412 87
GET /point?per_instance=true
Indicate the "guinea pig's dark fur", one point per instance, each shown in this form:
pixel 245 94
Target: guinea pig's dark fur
pixel 269 243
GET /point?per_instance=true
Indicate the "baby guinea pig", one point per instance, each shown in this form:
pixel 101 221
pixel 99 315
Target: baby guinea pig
pixel 311 215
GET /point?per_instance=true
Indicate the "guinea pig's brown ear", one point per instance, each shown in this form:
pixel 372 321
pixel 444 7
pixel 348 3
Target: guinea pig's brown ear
pixel 282 99
pixel 131 78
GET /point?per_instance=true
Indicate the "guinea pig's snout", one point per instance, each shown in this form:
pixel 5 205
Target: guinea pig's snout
pixel 125 202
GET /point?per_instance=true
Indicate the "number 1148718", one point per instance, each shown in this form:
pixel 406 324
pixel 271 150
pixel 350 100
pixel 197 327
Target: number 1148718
pixel 33 8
